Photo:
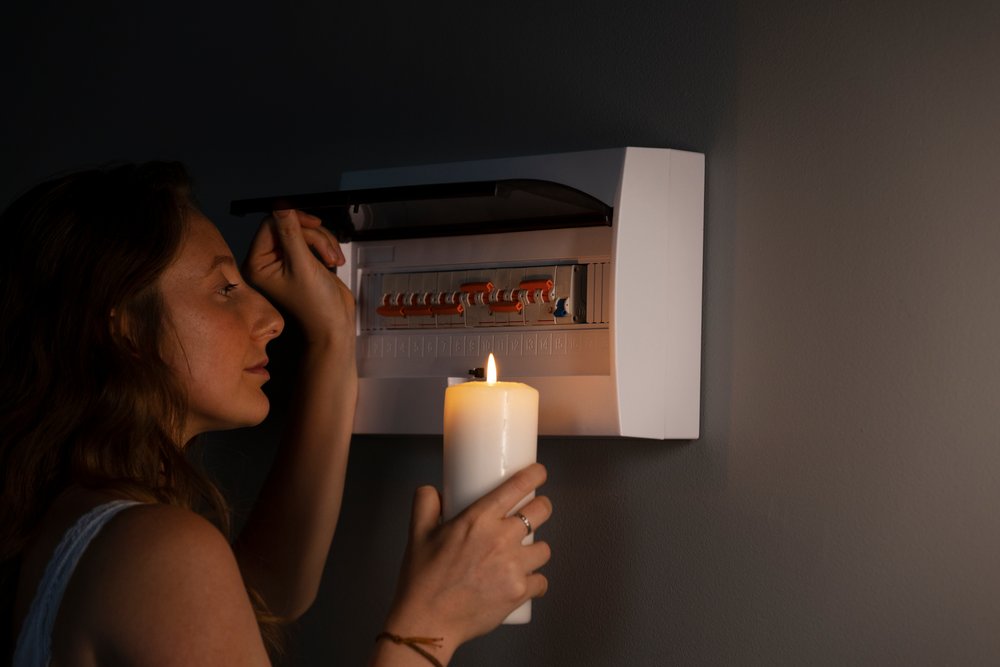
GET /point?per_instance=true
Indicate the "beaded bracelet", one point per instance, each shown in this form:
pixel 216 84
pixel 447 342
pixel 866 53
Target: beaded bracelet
pixel 413 642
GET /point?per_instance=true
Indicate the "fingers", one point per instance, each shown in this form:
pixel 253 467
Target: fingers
pixel 502 500
pixel 308 220
pixel 536 513
pixel 535 556
pixel 426 513
pixel 341 259
pixel 537 586
pixel 316 236
pixel 325 247
pixel 289 235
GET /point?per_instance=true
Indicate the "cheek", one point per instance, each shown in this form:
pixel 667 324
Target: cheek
pixel 197 347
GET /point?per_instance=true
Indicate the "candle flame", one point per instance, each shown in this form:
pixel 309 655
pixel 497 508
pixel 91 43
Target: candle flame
pixel 491 370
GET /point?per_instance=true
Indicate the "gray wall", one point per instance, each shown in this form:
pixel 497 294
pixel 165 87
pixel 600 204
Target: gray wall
pixel 840 505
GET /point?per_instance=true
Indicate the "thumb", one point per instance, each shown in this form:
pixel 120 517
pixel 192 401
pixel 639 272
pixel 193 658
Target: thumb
pixel 426 513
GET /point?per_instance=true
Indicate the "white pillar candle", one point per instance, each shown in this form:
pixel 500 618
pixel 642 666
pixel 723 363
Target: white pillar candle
pixel 490 433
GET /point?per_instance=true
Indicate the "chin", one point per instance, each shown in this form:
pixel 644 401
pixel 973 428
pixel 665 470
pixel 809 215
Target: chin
pixel 260 415
pixel 245 420
pixel 248 410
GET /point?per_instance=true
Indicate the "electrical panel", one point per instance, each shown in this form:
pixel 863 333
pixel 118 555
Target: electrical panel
pixel 581 272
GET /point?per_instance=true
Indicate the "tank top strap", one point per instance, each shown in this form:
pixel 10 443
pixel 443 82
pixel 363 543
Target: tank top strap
pixel 34 643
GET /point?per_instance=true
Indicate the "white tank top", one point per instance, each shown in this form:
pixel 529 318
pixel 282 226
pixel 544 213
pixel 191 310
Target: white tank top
pixel 34 643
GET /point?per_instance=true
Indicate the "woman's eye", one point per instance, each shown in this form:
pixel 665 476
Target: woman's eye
pixel 228 289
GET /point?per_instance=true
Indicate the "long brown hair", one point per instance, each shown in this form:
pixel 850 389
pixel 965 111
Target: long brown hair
pixel 85 396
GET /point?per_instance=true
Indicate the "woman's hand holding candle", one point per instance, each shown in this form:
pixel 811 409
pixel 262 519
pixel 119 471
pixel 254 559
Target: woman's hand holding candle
pixel 461 578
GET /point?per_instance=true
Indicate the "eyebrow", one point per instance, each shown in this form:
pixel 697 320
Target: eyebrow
pixel 219 260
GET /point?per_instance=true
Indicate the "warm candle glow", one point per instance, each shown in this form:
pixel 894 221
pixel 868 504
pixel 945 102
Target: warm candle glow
pixel 490 432
pixel 491 370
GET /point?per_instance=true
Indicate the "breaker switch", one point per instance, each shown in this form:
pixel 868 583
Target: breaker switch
pixel 448 309
pixel 506 307
pixel 482 288
pixel 537 291
pixel 390 307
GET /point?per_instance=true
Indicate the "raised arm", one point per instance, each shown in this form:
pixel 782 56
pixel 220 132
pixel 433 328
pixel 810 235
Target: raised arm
pixel 284 544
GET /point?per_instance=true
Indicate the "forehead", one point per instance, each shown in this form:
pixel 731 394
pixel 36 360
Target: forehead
pixel 200 250
pixel 203 236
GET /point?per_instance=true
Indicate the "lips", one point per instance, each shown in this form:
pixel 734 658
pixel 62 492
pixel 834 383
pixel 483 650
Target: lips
pixel 259 368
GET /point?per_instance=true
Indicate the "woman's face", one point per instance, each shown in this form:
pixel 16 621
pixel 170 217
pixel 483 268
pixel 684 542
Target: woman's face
pixel 216 330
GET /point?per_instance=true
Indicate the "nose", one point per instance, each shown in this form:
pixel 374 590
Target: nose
pixel 268 323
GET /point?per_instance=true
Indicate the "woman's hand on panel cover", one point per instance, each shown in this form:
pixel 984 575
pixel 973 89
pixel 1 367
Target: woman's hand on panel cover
pixel 291 260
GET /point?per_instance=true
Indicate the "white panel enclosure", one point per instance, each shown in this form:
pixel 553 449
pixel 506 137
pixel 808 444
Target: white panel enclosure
pixel 613 345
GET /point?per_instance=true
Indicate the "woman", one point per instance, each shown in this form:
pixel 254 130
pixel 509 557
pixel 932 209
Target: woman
pixel 130 331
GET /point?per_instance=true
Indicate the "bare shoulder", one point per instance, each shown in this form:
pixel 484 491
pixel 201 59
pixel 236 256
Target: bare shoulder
pixel 159 585
pixel 160 536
